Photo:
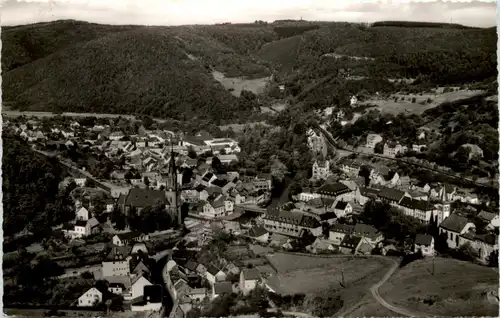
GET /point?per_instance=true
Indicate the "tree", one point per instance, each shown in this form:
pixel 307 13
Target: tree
pixel 379 147
pixel 466 252
pixel 327 306
pixel 493 259
pixel 191 153
pixel 216 164
pixel 364 172
pixel 146 181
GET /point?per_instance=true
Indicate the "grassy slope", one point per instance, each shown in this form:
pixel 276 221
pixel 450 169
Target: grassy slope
pixel 460 286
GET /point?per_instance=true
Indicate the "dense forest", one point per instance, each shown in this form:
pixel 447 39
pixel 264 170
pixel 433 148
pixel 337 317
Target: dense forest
pixel 166 71
pixel 31 196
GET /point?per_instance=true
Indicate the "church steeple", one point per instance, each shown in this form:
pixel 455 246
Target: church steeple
pixel 172 187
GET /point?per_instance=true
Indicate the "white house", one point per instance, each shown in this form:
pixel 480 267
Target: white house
pixel 116 268
pixel 321 170
pixel 116 288
pixel 80 181
pixel 129 237
pixel 454 226
pixel 392 151
pixel 372 140
pixel 307 196
pixel 249 278
pixel 353 100
pixel 213 274
pixel 84 228
pixel 90 298
pixel 82 214
pixel 492 219
pixel 425 244
pixel 214 208
pixel 137 289
pixel 342 208
pixel 338 232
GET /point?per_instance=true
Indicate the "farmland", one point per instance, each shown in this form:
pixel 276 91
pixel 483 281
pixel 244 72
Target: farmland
pixel 456 288
pixel 305 274
pixel 237 84
pixel 398 103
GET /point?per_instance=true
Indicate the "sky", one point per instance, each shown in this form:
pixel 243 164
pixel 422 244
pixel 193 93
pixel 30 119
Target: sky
pixel 176 12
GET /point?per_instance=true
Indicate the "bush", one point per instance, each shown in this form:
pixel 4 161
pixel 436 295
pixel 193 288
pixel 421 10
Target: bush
pixel 409 258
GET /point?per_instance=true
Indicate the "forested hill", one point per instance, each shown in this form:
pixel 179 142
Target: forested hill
pixel 167 71
pixel 30 187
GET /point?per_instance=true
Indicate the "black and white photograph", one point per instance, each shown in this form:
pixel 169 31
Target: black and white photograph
pixel 251 159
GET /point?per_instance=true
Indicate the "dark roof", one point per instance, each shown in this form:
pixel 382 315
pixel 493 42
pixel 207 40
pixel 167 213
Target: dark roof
pixel 369 192
pixel 257 231
pixel 391 194
pixel 212 269
pixel 207 176
pixel 341 205
pixel 116 285
pixel 292 218
pixel 251 274
pixel 350 241
pixel 490 239
pixel 129 235
pixel 415 204
pixel 342 228
pixel 223 288
pixel 119 253
pixel 122 199
pixel 333 189
pixel 423 239
pixel 365 230
pixel 220 183
pixel 327 216
pixel 485 215
pixel 200 187
pixel 141 198
pixel 454 223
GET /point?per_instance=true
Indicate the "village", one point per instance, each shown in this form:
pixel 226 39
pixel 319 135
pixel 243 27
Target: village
pixel 224 225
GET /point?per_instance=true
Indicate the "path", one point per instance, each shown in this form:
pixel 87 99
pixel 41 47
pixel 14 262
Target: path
pixel 380 300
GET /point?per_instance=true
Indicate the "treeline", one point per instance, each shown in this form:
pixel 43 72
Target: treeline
pixel 415 24
pixel 31 196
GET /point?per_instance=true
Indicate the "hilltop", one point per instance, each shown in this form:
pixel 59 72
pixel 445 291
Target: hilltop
pixel 170 72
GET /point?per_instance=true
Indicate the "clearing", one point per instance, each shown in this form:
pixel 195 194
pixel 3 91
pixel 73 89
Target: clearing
pixel 404 102
pixel 237 128
pixel 457 288
pixel 237 84
pixel 304 274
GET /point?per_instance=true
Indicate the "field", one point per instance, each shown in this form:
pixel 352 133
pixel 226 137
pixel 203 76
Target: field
pixel 306 274
pixel 236 84
pixel 457 288
pixel 239 127
pixel 404 102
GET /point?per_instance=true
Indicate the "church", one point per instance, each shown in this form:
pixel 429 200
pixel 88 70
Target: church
pixel 138 199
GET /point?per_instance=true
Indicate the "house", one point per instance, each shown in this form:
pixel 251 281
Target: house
pixel 82 214
pixel 453 227
pixel 350 167
pixel 141 270
pixel 307 195
pixel 342 209
pixel 116 135
pixel 221 289
pixel 190 267
pixel 116 288
pixel 321 245
pixel 213 274
pixel 391 149
pixel 363 195
pixel 80 182
pixel 197 294
pixel 129 237
pixel 492 219
pixel 137 288
pixel 391 196
pixel 335 191
pixel 418 209
pixel 350 244
pixel 227 159
pixel 249 278
pixel 90 298
pixel 338 232
pixel 214 208
pixel 259 234
pixel 263 182
pixel 420 147
pixel 372 140
pixel 425 244
pixel 139 247
pixel 290 223
pixel 117 263
pixel 385 177
pixel 369 233
pixel 321 169
pixel 152 300
pixel 85 228
pixel 485 244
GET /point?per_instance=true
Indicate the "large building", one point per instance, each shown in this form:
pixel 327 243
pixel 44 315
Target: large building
pixel 289 223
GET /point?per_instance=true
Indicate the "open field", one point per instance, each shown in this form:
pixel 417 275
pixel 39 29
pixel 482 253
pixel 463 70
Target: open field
pixel 457 288
pixel 306 274
pixel 239 127
pixel 237 84
pixel 368 307
pixel 404 102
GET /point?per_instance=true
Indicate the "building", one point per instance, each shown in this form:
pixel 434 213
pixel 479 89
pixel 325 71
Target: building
pixel 364 194
pixel 82 214
pixel 455 226
pixel 222 288
pixel 372 140
pixel 129 237
pixel 350 244
pixel 259 234
pixel 84 228
pixel 138 199
pixel 335 191
pixel 213 274
pixel 492 219
pixel 90 298
pixel 353 100
pixel 425 244
pixel 289 223
pixel 137 289
pixel 321 169
pixel 116 288
pixel 342 209
pixel 338 232
pixel 214 208
pixel 418 209
pixel 249 278
pixel 391 150
pixel 391 196
pixel 369 234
